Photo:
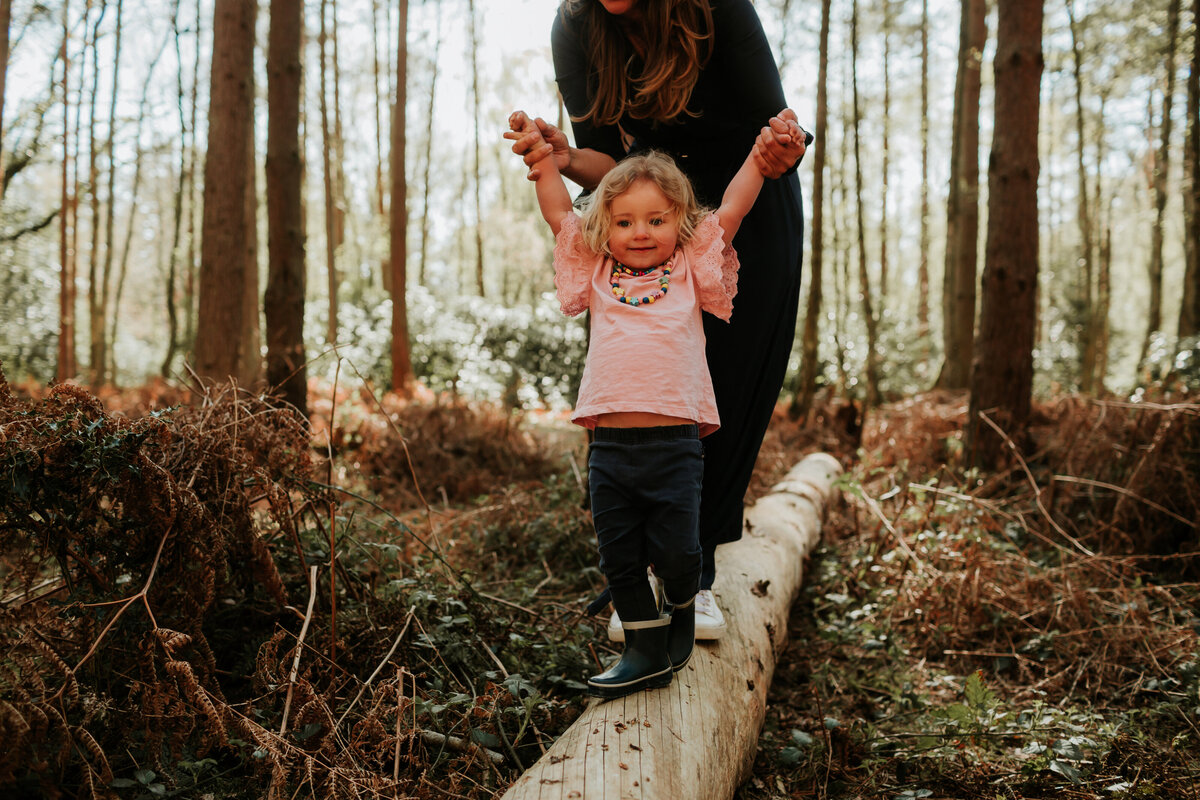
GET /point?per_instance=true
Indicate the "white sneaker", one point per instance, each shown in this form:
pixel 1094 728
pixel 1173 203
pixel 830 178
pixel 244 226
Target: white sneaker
pixel 615 632
pixel 710 622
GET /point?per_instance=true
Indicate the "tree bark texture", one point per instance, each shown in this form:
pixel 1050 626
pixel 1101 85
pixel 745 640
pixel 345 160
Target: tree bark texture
pixel 283 303
pixel 698 737
pixel 103 368
pixel 97 280
pixel 1085 297
pixel 227 171
pixel 1162 169
pixel 65 366
pixel 402 371
pixel 195 207
pixel 5 20
pixel 331 272
pixel 478 105
pixel 885 168
pixel 962 205
pixel 806 388
pixel 1189 307
pixel 177 220
pixel 250 368
pixel 1002 374
pixel 864 279
pixel 923 259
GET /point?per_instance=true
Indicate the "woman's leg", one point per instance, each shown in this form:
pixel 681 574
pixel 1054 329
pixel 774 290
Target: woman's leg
pixel 748 359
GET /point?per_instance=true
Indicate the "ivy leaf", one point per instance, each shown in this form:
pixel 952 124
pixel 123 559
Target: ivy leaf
pixel 144 776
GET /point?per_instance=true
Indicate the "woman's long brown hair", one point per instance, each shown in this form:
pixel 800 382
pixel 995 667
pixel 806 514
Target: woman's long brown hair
pixel 678 41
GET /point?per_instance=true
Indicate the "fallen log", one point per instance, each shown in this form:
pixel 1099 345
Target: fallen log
pixel 697 738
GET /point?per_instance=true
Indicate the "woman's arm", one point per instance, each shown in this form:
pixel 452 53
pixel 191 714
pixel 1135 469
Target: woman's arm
pixel 740 196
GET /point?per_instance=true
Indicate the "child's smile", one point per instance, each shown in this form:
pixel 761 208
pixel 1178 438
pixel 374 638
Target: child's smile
pixel 645 226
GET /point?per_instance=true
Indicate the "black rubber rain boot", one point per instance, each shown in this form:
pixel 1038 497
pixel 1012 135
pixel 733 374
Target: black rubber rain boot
pixel 682 635
pixel 645 664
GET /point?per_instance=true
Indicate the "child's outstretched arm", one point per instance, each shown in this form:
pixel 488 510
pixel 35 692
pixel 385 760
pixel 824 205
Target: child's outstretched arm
pixel 740 196
pixel 553 197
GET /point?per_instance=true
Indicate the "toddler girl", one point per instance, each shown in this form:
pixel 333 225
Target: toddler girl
pixel 645 260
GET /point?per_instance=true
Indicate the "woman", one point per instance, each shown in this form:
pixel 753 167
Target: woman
pixel 696 79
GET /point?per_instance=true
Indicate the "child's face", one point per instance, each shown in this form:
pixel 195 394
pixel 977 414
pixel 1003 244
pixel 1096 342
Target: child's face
pixel 644 228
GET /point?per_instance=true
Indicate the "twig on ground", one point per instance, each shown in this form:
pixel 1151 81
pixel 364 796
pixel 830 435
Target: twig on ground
pixel 312 599
pixel 396 643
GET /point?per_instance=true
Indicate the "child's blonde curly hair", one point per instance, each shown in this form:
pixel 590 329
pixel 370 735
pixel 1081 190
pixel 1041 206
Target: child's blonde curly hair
pixel 653 166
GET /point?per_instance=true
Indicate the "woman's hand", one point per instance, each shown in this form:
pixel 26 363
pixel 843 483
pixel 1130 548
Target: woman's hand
pixel 535 139
pixel 779 145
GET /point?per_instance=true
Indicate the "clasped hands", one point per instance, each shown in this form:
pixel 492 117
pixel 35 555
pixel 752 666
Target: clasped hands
pixel 779 145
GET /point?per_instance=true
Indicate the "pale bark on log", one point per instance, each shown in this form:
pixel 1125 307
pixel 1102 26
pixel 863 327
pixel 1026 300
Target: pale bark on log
pixel 697 738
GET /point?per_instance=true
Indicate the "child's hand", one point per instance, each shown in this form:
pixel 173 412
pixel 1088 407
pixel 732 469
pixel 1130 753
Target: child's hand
pixel 528 141
pixel 534 140
pixel 519 123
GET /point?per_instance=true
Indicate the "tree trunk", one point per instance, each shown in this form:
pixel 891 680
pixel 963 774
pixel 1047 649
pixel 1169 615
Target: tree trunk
pixel 284 300
pixel 1102 224
pixel 380 102
pixel 1002 374
pixel 923 259
pixel 225 239
pixel 864 279
pixel 331 273
pixel 402 371
pixel 5 19
pixel 104 368
pixel 339 139
pixel 885 168
pixel 1161 174
pixel 96 317
pixel 962 205
pixel 1104 302
pixel 194 207
pixel 806 387
pixel 177 221
pixel 698 737
pixel 476 191
pixel 1084 298
pixel 250 370
pixel 1189 307
pixel 65 366
pixel 841 237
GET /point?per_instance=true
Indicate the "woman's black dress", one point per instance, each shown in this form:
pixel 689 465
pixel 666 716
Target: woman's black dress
pixel 737 93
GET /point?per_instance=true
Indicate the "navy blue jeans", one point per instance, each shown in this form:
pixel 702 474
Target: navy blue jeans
pixel 645 487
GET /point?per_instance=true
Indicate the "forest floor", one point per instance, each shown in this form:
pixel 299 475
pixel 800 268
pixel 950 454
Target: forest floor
pixel 1025 634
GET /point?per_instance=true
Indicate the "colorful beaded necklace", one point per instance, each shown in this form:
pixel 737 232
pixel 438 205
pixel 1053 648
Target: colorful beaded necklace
pixel 619 269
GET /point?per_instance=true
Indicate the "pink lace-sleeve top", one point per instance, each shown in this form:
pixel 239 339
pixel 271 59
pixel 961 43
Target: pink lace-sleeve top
pixel 647 357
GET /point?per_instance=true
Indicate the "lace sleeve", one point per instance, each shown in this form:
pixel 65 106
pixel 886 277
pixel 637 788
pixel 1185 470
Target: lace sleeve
pixel 573 267
pixel 714 267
